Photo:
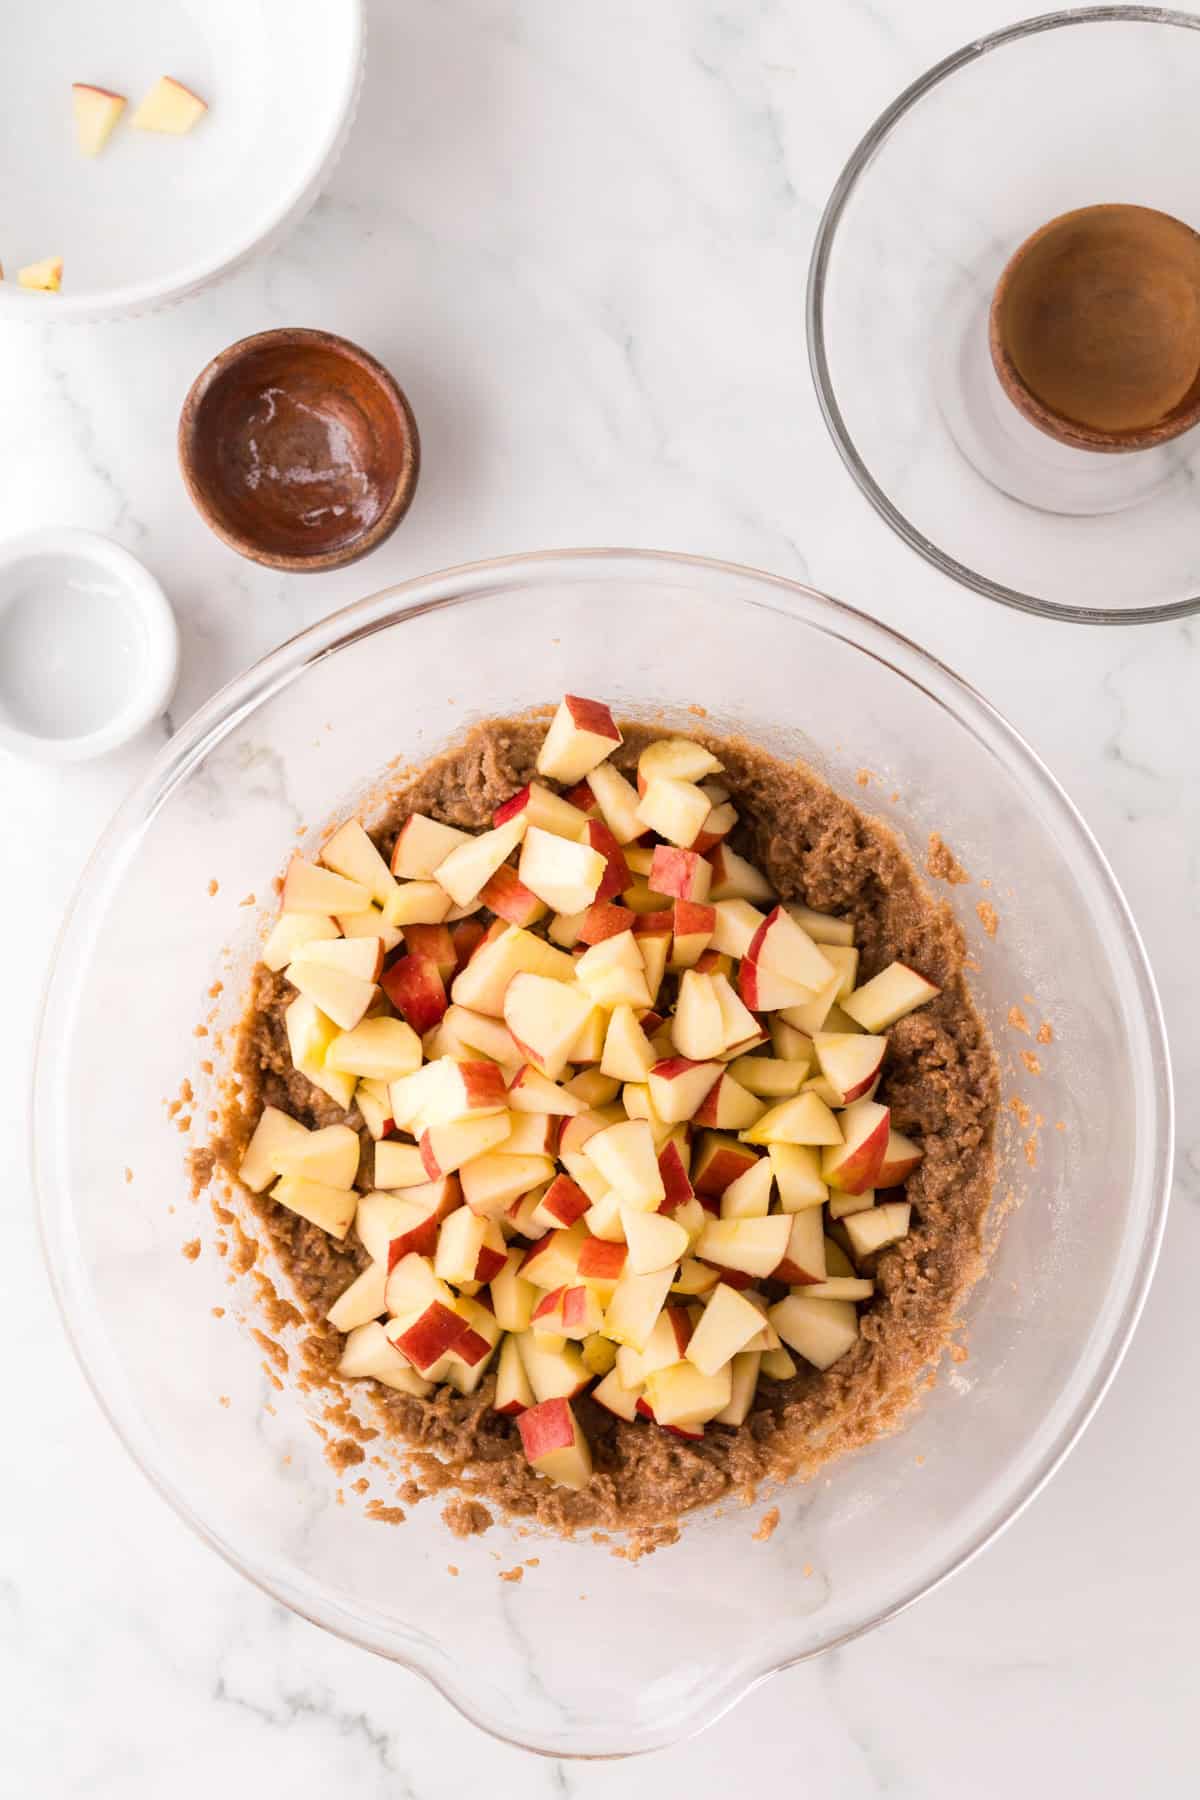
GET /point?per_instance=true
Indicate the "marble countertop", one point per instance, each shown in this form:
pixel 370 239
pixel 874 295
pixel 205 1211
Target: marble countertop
pixel 580 238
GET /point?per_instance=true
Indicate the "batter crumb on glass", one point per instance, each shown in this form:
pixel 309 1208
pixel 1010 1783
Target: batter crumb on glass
pixel 766 1526
pixel 1031 1062
pixel 191 1249
pixel 1045 1032
pixel 214 887
pixel 988 917
pixel 1017 1019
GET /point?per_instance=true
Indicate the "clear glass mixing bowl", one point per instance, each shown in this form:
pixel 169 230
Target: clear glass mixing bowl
pixel 589 1655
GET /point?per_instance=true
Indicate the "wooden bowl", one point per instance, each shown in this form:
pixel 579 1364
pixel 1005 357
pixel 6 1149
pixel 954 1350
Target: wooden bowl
pixel 299 450
pixel 1094 328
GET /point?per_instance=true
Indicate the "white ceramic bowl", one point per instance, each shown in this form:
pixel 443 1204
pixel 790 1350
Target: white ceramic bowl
pixel 89 647
pixel 153 217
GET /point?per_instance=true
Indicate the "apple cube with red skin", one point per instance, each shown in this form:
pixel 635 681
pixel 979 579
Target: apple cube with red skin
pixel 428 1336
pixel 437 942
pixel 854 1164
pixel 351 853
pixel 507 896
pixel 415 988
pixel 635 1305
pixel 582 734
pixel 368 1352
pixel 899 1160
pixel 666 1344
pixel 680 873
pixel 803 1260
pixel 492 1181
pixel 563 1202
pixel 655 1241
pixel 504 952
pixel 681 1395
pixel 616 877
pixel 677 1188
pixel 460 1241
pixel 391 1226
pixel 734 878
pixel 625 1155
pixel 763 990
pixel 717 1161
pixel 445 1148
pixel 513 1392
pixel 566 875
pixel 614 971
pixel 545 1017
pixel 798 1176
pixel 289 932
pixel 513 1298
pixel 617 801
pixel 554 1445
pixel 96 111
pixel 806 1119
pixel 575 1312
pixel 309 889
pixel 554 1260
pixel 602 919
pixel 678 1086
pixel 538 806
pixel 850 1062
pixel 888 997
pixel 786 949
pixel 601 1260
pixel 674 810
pixel 422 844
pixel 749 1197
pixel 627 1055
pixel 728 1106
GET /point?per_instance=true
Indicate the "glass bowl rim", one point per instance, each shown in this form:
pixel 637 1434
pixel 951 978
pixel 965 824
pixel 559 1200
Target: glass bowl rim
pixel 490 580
pixel 843 191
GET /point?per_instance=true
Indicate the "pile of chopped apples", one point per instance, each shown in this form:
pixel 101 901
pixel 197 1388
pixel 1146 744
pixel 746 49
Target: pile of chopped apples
pixel 601 1121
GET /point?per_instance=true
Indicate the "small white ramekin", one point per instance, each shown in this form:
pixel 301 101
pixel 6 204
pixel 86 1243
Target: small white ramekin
pixel 40 568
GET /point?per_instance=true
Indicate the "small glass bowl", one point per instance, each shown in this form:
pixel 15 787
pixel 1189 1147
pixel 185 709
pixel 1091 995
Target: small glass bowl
pixel 1066 110
pixel 591 1656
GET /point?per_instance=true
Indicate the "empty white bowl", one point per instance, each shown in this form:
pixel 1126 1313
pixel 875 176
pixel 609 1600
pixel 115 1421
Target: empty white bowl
pixel 89 648
pixel 155 217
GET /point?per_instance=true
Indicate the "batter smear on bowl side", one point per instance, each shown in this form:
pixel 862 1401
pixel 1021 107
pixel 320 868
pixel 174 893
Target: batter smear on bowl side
pixel 619 1118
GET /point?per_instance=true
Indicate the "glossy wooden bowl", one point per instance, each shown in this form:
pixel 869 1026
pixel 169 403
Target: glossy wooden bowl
pixel 299 450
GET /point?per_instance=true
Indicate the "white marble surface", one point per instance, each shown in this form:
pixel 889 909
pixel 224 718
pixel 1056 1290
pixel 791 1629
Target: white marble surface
pixel 580 238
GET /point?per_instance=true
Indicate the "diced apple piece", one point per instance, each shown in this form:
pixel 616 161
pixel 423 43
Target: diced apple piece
pixel 761 989
pixel 445 1148
pixel 769 1076
pixel 803 1261
pixel 309 1035
pixel 332 1208
pixel 899 1160
pixel 823 928
pixel 751 1246
pixel 361 958
pixel 381 1049
pixel 728 1325
pixel 575 1312
pixel 367 1352
pixel 545 1017
pixel 422 845
pixel 601 1260
pixel 96 111
pixel 460 1241
pixel 471 865
pixel 368 924
pixel 602 919
pixel 876 1229
pixel 636 1303
pixel 492 1181
pixel 854 1164
pixel 592 1088
pixel 627 1052
pixel 415 988
pixel 728 1106
pixel 779 1364
pixel 513 1392
pixel 849 1062
pixel 736 924
pixel 582 734
pixel 678 1087
pixel 391 1226
pixel 563 1202
pixel 604 1218
pixel 617 801
pixel 399 1166
pixel 565 875
pixel 554 1445
pixel 169 107
pixel 693 927
pixel 697 1028
pixel 749 1197
pixel 466 1088
pixel 482 985
pixel 676 759
pixel 841 1287
pixel 718 1160
pixel 677 1189
pixel 437 943
pixel 330 1156
pixel 613 973
pixel 785 949
pixel 554 1374
pixel 554 1260
pixel 309 889
pixel 736 879
pixel 350 853
pixel 508 897
pixel 411 1286
pixel 798 1176
pixel 655 1241
pixel 789 1044
pixel 695 1278
pixel 361 1301
pixel 675 810
pixel 616 877
pixel 820 1331
pixel 625 1155
pixel 744 1384
pixel 275 1133
pixel 680 873
pixel 616 1397
pixel 530 1091
pixel 681 1395
pixel 889 996
pixel 803 1120
pixel 513 1298
pixel 842 1205
pixel 538 806
pixel 717 826
pixel 428 1336
pixel 44 277
pixel 667 1343
pixel 289 932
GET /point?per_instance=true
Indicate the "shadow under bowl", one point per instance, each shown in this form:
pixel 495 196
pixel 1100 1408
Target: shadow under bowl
pixel 299 450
